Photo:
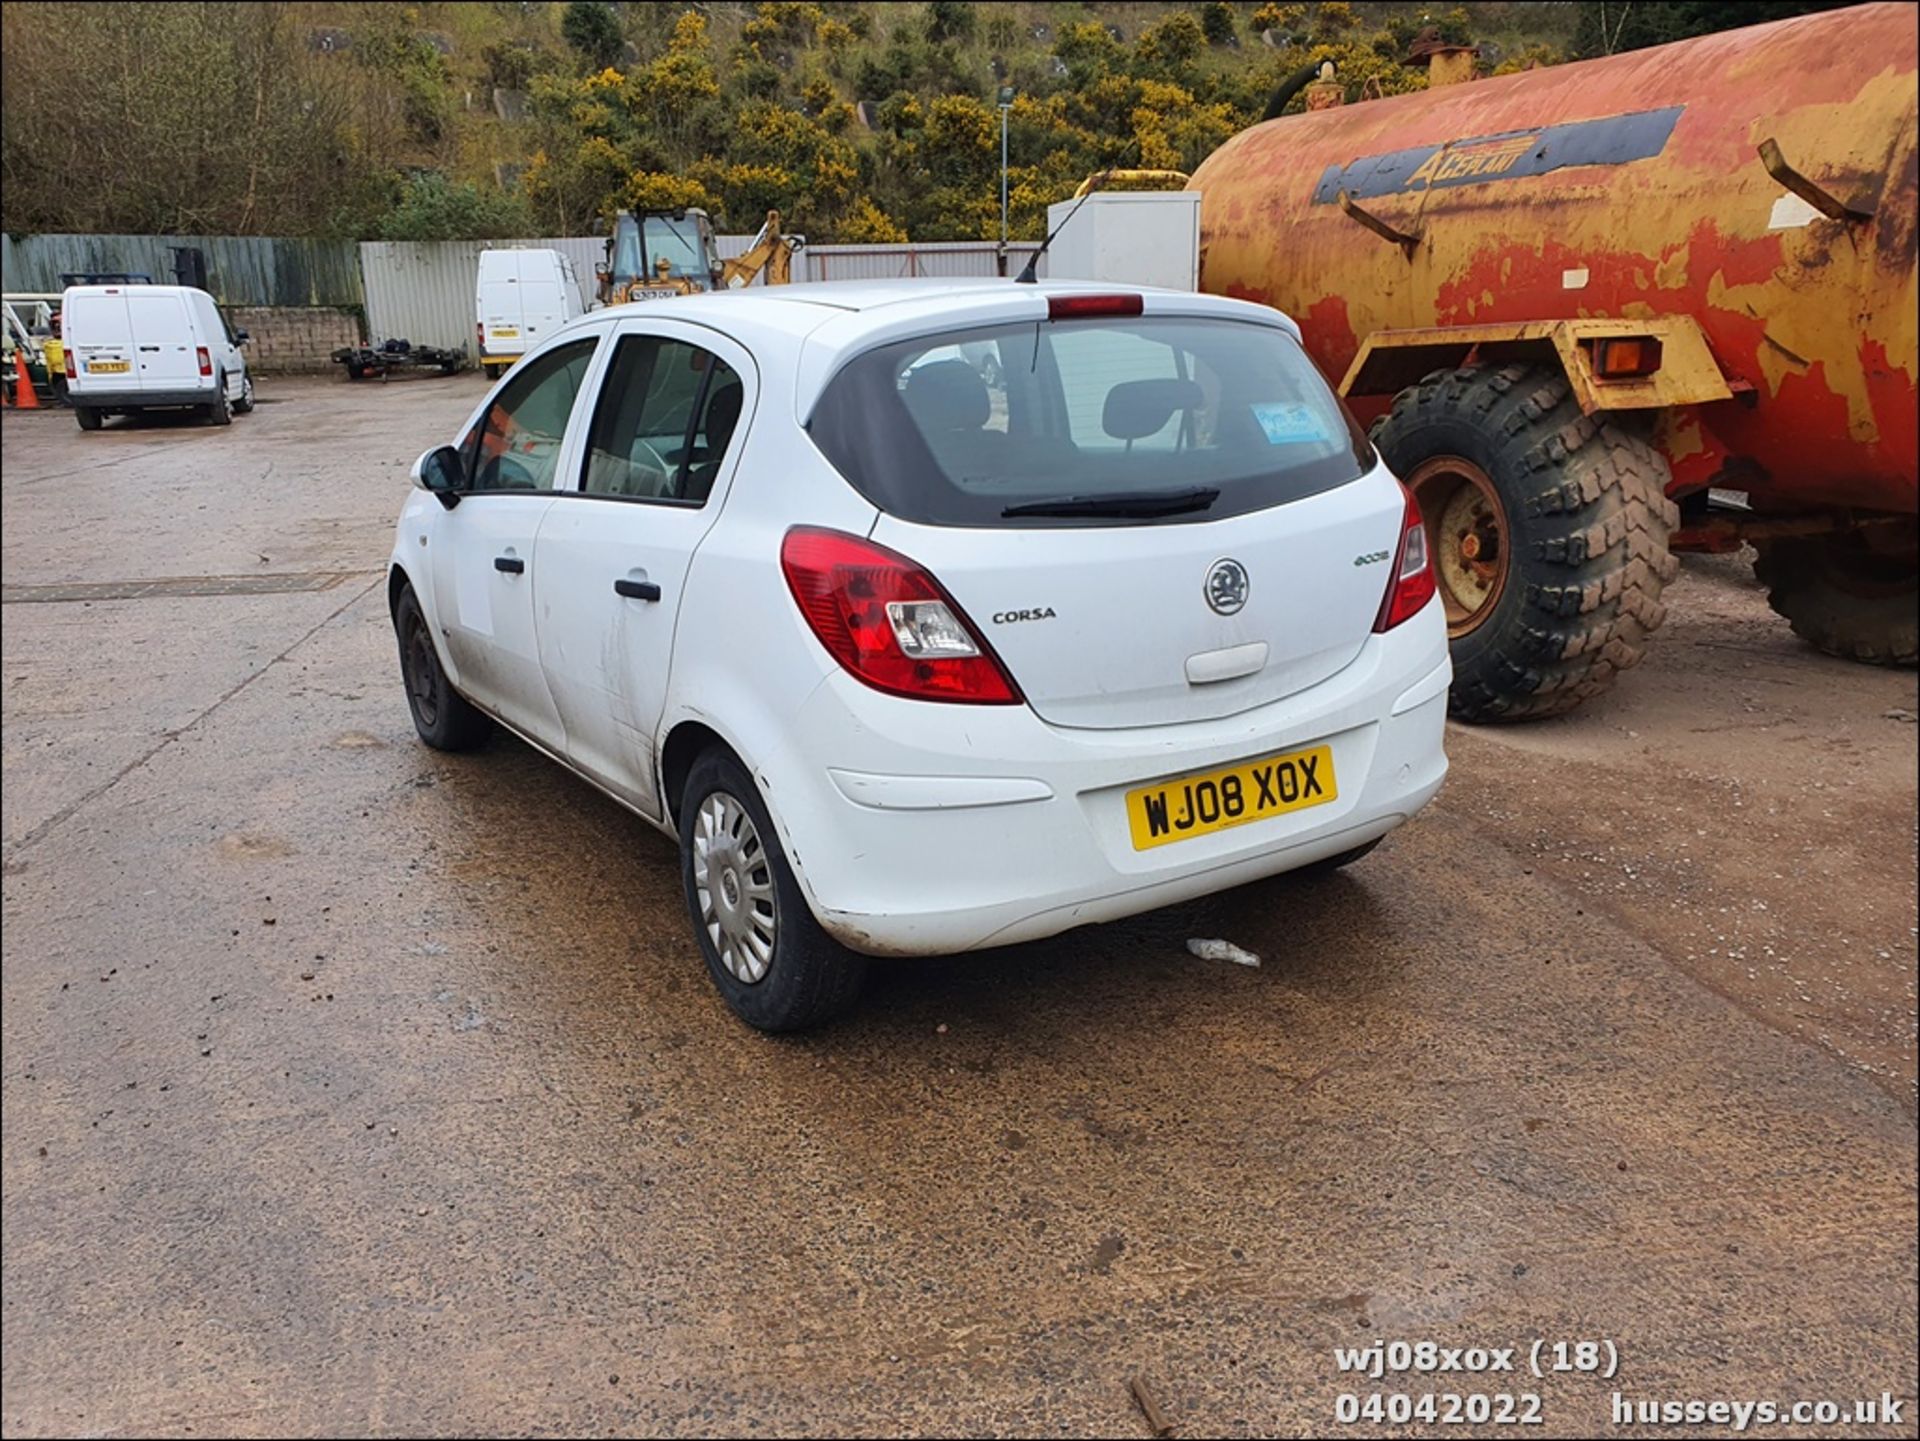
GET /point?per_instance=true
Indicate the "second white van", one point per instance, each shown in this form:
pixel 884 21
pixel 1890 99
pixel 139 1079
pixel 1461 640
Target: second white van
pixel 134 348
pixel 522 297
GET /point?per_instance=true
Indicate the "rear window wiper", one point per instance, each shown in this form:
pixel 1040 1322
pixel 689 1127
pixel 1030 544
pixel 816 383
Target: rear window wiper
pixel 1137 504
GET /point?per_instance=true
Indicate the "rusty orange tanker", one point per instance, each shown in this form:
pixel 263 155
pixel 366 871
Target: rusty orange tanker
pixel 1577 300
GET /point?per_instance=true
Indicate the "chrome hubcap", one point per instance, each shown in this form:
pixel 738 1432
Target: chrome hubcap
pixel 733 882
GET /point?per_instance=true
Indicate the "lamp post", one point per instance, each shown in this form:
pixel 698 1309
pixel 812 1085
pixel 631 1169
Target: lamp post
pixel 1006 104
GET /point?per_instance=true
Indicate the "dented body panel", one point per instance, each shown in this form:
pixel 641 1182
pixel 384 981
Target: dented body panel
pixel 1629 188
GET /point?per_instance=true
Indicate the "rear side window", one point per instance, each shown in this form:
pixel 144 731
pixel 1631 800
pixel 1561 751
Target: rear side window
pixel 667 413
pixel 963 428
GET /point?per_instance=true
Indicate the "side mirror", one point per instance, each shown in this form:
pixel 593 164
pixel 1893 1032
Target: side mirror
pixel 600 268
pixel 240 337
pixel 443 472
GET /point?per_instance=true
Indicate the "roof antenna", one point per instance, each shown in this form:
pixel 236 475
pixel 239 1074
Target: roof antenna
pixel 1030 275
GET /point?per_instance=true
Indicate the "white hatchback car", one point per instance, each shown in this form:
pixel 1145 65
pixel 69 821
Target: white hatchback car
pixel 932 615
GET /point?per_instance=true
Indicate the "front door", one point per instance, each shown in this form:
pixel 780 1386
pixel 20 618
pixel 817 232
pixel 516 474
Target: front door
pixel 614 551
pixel 482 549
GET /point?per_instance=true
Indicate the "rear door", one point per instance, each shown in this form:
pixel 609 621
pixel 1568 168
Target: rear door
pixel 613 553
pixel 97 330
pixel 163 341
pixel 542 310
pixel 500 317
pixel 1152 520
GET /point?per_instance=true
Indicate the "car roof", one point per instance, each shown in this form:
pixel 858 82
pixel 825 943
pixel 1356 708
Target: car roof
pixel 833 319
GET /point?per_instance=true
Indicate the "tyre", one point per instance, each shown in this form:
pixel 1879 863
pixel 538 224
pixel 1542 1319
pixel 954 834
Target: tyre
pixel 1548 531
pixel 220 412
pixel 244 405
pixel 771 960
pixel 1843 595
pixel 441 714
pixel 88 417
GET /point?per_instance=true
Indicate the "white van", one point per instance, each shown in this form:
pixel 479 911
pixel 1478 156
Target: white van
pixel 523 296
pixel 131 348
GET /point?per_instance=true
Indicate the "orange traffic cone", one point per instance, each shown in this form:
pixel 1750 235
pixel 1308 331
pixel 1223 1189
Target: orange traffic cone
pixel 23 396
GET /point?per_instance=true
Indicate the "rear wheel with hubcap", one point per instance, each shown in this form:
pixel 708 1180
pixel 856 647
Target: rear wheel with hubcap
pixel 88 417
pixel 772 961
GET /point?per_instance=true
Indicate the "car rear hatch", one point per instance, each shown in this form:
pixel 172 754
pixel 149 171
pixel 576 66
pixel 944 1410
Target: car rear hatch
pixel 1150 520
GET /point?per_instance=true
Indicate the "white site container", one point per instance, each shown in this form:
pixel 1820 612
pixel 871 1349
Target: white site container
pixel 1147 237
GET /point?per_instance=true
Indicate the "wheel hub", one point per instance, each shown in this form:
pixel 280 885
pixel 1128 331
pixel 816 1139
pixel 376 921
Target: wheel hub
pixel 733 882
pixel 1467 536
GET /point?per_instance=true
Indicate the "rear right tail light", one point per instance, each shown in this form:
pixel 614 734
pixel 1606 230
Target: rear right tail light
pixel 206 360
pixel 1412 584
pixel 479 339
pixel 888 622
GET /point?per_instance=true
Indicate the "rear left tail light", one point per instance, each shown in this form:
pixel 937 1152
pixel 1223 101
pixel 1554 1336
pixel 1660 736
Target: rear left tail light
pixel 206 360
pixel 888 622
pixel 479 339
pixel 1412 584
pixel 72 374
pixel 1626 358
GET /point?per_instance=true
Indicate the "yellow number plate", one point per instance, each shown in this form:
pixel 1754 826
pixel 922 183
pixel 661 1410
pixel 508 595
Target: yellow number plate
pixel 1251 791
pixel 504 330
pixel 106 367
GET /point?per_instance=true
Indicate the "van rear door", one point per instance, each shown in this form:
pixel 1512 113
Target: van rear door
pixel 500 318
pixel 542 308
pixel 163 340
pixel 95 327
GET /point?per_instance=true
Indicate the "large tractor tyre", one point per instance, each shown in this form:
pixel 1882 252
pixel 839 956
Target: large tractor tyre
pixel 1548 531
pixel 1842 595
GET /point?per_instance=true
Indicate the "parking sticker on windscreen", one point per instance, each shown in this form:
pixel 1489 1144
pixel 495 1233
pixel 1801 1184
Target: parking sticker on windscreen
pixel 1290 424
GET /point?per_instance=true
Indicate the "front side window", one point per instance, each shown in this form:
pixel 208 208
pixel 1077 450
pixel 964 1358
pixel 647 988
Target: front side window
pixel 518 444
pixel 1087 421
pixel 666 415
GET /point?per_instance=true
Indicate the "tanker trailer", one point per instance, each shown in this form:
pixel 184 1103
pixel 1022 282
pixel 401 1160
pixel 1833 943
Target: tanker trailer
pixel 1574 301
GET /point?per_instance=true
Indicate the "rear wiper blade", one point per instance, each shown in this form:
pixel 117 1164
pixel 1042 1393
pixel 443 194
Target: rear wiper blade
pixel 1140 504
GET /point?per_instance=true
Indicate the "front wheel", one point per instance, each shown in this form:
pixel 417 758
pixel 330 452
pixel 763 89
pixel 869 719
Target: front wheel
pixel 771 960
pixel 1548 532
pixel 1845 595
pixel 441 714
pixel 244 405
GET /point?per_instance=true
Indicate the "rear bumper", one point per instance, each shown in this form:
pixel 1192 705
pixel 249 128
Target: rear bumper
pixel 938 829
pixel 124 399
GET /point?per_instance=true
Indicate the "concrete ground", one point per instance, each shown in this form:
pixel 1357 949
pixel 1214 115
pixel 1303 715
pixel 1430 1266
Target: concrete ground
pixel 351 1088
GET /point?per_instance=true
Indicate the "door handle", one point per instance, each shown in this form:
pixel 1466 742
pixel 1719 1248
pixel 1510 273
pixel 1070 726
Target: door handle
pixel 511 564
pixel 637 589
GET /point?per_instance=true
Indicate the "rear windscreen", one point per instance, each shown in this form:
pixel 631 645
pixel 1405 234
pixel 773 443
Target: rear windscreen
pixel 963 428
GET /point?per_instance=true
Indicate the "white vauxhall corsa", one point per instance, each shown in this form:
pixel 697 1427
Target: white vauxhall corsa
pixel 932 615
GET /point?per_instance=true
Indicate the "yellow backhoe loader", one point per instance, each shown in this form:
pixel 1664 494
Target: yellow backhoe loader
pixel 654 254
